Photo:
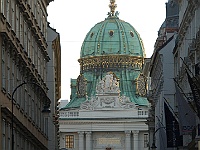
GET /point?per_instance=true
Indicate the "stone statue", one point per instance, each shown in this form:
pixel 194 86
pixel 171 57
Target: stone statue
pixel 109 84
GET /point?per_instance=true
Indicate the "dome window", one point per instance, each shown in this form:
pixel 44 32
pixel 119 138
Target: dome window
pixel 111 32
pixel 91 35
pixel 132 34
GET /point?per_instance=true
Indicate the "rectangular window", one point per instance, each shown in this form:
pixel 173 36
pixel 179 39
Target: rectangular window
pixel 8 10
pixel 32 104
pixel 29 105
pixel 8 73
pixel 9 136
pixel 3 66
pixel 29 42
pixel 38 12
pixel 26 100
pixel 21 31
pixel 41 20
pixel 32 53
pixel 3 134
pixel 17 21
pixel 36 55
pixel 25 36
pixel 26 144
pixel 45 70
pixel 2 6
pixel 18 94
pixel 46 126
pixel 22 143
pixel 69 141
pixel 39 114
pixel 13 15
pixel 146 140
pixel 12 77
pixel 20 139
pixel 39 63
pixel 35 107
pixel 35 10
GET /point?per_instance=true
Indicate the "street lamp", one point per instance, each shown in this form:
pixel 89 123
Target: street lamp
pixel 153 147
pixel 45 110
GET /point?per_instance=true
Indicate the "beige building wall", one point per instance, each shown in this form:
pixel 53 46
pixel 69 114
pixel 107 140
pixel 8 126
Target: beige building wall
pixel 24 57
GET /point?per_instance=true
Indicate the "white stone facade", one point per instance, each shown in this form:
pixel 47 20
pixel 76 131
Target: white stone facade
pixel 106 121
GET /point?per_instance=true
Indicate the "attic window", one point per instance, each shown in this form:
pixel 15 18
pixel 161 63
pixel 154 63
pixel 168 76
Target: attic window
pixel 132 34
pixel 91 35
pixel 111 32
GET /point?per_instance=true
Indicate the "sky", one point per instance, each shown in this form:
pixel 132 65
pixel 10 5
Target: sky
pixel 73 19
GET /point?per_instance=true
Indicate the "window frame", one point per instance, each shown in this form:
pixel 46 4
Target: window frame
pixel 71 139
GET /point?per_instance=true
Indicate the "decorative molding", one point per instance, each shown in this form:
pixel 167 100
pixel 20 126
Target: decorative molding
pixel 135 132
pixel 141 85
pixel 88 133
pixel 81 86
pixel 110 61
pixel 107 96
pixel 106 102
pixel 127 133
pixel 80 133
pixel 189 14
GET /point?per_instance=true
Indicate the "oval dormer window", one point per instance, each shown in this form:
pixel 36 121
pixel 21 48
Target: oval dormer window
pixel 111 32
pixel 91 35
pixel 132 34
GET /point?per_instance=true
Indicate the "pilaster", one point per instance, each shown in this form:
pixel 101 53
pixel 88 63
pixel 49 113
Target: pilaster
pixel 81 140
pixel 88 140
pixel 128 140
pixel 135 140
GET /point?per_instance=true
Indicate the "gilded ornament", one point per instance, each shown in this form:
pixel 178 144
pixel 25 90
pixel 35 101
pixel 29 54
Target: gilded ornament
pixel 81 86
pixel 112 6
pixel 141 87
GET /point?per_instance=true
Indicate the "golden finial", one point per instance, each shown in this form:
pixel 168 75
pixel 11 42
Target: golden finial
pixel 112 6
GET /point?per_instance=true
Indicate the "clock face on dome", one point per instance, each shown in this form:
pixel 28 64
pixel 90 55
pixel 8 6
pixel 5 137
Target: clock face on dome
pixel 81 86
pixel 141 85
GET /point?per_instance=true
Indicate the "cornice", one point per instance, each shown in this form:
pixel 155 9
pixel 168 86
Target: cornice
pixel 30 18
pixel 187 18
pixel 117 121
pixel 19 55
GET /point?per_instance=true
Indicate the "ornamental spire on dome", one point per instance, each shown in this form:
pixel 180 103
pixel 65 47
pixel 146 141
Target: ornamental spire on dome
pixel 112 6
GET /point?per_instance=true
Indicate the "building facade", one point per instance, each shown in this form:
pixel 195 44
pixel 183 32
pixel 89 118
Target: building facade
pixel 163 121
pixel 108 109
pixel 186 59
pixel 23 79
pixel 183 102
pixel 54 85
pixel 165 134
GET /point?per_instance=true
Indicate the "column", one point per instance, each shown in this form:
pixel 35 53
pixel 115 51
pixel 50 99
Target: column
pixel 135 140
pixel 88 141
pixel 127 140
pixel 81 140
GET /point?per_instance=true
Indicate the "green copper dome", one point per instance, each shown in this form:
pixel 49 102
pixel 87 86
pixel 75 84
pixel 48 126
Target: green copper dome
pixel 112 48
pixel 112 36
